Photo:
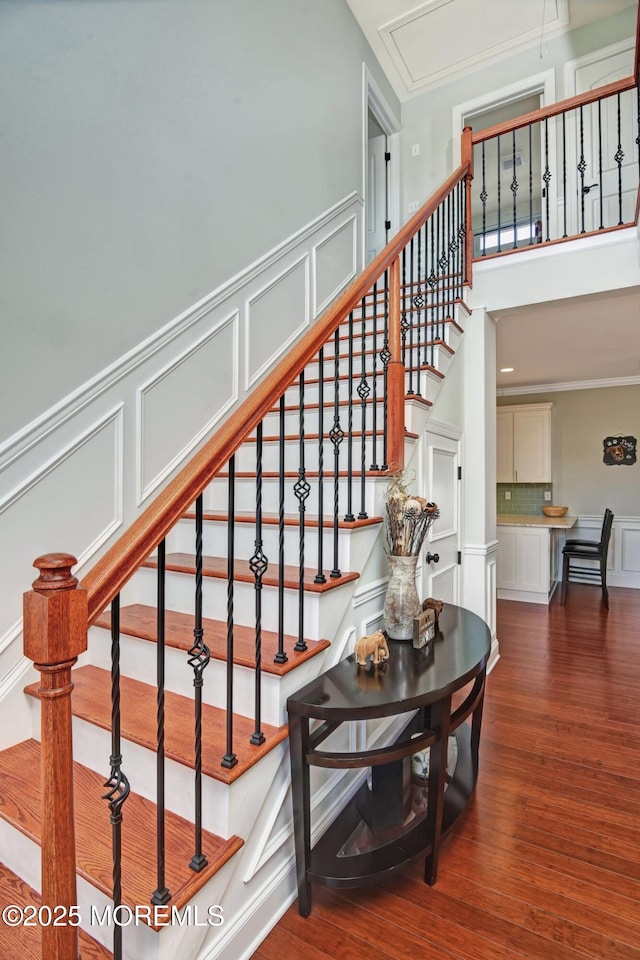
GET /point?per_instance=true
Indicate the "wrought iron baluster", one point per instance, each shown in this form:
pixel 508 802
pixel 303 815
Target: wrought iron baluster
pixel 385 356
pixel 499 195
pixel 443 263
pixel 117 785
pixel 418 303
pixel 433 283
pixel 320 577
pixel 532 230
pixel 619 157
pixel 301 489
pixel 582 166
pixel 514 191
pixel 281 656
pixel 349 514
pixel 450 243
pixel 199 657
pixel 258 565
pixel 600 164
pixel 564 172
pixel 409 329
pixel 484 197
pixel 547 172
pixel 161 894
pixel 403 319
pixel 374 397
pixel 363 392
pixel 230 759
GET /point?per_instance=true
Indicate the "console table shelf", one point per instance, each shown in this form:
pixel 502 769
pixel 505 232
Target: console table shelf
pixel 380 829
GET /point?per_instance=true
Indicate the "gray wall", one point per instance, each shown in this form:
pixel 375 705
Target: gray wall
pixel 427 119
pixel 580 420
pixel 150 150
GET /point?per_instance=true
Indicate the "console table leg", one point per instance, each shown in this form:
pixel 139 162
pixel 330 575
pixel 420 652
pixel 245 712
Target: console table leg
pixel 476 724
pixel 440 715
pixel 300 795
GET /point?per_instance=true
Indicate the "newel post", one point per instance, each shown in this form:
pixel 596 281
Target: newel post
pixel 395 374
pixel 55 633
pixel 466 156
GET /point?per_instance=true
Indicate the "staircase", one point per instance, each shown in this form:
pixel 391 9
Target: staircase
pixel 182 687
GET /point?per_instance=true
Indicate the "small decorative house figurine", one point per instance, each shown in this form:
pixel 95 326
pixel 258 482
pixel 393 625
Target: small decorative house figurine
pixel 424 628
pixel 375 645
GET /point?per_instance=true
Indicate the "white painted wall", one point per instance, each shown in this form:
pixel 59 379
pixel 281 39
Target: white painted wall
pixel 150 152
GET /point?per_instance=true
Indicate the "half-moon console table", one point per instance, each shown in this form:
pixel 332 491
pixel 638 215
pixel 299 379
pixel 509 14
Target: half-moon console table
pixel 389 821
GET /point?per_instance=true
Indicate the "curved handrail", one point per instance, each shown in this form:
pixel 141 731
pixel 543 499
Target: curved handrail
pixel 105 580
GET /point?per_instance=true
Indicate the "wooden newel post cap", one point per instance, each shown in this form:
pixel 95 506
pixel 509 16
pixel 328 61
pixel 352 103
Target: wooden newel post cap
pixel 55 613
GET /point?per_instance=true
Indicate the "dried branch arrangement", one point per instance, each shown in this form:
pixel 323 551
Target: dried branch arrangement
pixel 407 519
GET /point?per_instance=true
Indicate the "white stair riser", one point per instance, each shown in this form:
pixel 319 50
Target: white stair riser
pixel 353 545
pixel 312 389
pixel 246 455
pixel 312 424
pixel 180 594
pixel 138 662
pixel 216 496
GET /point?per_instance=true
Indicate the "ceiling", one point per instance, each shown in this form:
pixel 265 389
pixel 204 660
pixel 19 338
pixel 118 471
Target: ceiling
pixel 420 46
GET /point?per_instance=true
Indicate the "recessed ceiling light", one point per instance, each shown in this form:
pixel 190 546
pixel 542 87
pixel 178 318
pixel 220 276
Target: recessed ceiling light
pixel 506 369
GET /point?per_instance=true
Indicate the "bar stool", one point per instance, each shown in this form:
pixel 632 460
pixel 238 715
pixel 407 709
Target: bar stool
pixel 588 550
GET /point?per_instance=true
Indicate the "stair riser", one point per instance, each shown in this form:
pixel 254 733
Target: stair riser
pixel 180 597
pixel 353 545
pixel 138 661
pixel 246 455
pixel 216 496
pixel 414 357
pixel 312 391
pixel 312 423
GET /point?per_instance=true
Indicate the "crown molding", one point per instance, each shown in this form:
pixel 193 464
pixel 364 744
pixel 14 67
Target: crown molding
pixel 569 385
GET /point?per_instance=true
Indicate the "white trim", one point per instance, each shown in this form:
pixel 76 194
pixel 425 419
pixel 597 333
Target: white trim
pixel 480 549
pixel 543 83
pixel 143 491
pixel 372 591
pixel 56 415
pixel 317 308
pixel 443 429
pixel 373 99
pixel 569 385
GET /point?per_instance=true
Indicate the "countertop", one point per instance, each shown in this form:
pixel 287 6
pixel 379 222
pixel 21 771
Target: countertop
pixel 534 520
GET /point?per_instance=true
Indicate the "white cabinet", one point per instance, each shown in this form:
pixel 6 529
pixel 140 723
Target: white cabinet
pixel 523 443
pixel 527 562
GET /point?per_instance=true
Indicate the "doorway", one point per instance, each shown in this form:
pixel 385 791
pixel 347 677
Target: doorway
pixel 381 184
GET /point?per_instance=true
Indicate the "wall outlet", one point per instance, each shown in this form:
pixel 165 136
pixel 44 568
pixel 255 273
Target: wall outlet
pixel 547 494
pixel 413 206
pixel 415 150
pixel 507 494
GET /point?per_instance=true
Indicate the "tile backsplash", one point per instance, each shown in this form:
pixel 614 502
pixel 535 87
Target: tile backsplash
pixel 526 498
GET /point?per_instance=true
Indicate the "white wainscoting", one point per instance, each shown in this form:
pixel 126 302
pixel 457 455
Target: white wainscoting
pixel 79 474
pixel 623 560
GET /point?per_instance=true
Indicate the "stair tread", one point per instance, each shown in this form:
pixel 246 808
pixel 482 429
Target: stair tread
pixel 217 567
pixel 91 701
pixel 20 806
pixel 290 519
pixel 138 620
pixel 25 942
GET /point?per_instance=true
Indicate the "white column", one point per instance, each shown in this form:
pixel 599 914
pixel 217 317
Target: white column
pixel 479 552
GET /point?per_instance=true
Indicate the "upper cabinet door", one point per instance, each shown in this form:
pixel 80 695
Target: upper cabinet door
pixel 523 443
pixel 504 446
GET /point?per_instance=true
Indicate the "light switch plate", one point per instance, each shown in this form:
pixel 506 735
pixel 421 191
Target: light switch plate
pixel 547 494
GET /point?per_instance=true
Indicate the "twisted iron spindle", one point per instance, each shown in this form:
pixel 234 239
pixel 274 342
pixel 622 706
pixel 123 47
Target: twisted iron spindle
pixel 302 490
pixel 514 190
pixel 499 194
pixel 281 656
pixel 385 357
pixel 433 284
pixel 320 577
pixel 582 166
pixel 619 157
pixel 117 785
pixel 336 435
pixel 229 759
pixel 363 392
pixel 410 362
pixel 161 894
pixel 601 192
pixel 199 657
pixel 547 173
pixel 258 564
pixel 484 197
pixel 564 174
pixel 374 414
pixel 531 224
pixel 349 514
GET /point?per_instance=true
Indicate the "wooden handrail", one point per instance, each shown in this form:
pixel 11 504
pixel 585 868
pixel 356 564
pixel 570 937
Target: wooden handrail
pixel 109 575
pixel 580 100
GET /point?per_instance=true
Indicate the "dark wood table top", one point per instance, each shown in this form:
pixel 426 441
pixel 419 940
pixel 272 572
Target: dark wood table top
pixel 409 679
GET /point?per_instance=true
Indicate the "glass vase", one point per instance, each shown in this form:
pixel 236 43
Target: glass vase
pixel 402 603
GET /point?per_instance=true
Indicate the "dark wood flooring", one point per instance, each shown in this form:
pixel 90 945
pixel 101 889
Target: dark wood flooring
pixel 545 862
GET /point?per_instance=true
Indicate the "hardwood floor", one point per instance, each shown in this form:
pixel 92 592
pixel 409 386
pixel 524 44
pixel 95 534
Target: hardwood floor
pixel 545 862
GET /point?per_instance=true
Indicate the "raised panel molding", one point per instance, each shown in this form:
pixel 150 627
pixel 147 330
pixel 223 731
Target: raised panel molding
pixel 277 313
pixel 174 406
pixel 334 261
pixel 51 510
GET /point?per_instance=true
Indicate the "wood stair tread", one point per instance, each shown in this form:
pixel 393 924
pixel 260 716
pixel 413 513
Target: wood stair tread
pixel 20 806
pixel 25 942
pixel 91 701
pixel 138 620
pixel 216 567
pixel 290 519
